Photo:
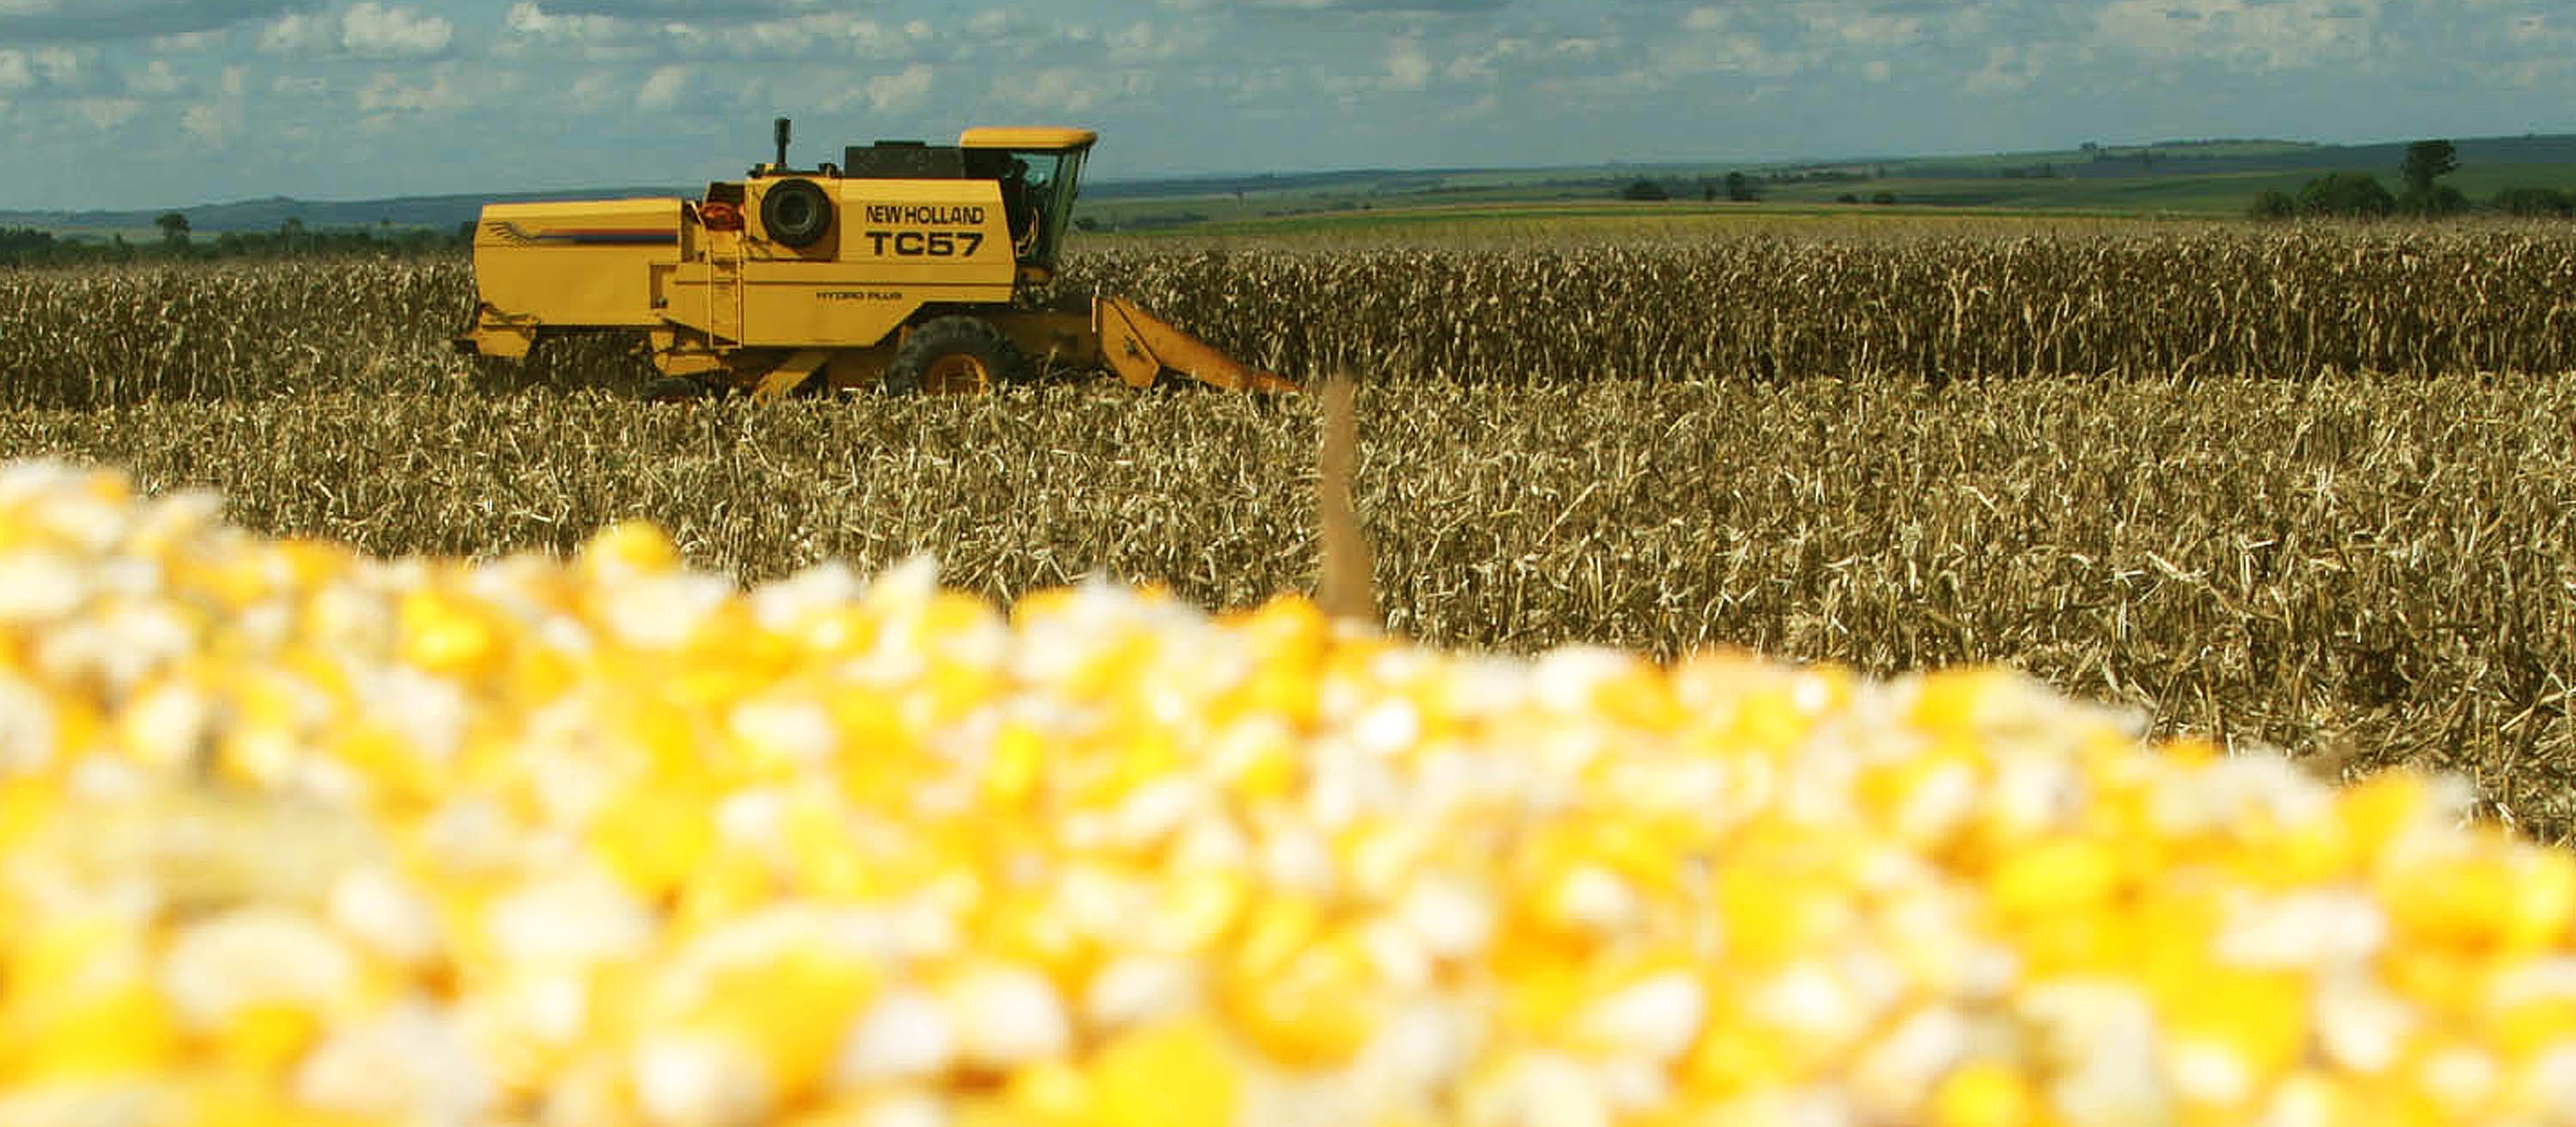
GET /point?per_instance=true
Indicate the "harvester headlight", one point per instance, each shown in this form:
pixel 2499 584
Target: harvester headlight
pixel 796 213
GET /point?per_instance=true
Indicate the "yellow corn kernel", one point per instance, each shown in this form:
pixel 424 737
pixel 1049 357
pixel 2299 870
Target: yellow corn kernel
pixel 264 1039
pixel 1961 700
pixel 1277 930
pixel 1018 765
pixel 2307 853
pixel 2521 1030
pixel 124 1029
pixel 628 547
pixel 24 807
pixel 1985 1094
pixel 726 881
pixel 1051 1093
pixel 2189 751
pixel 1768 722
pixel 1771 918
pixel 1733 1059
pixel 1199 909
pixel 1316 1010
pixel 444 634
pixel 1542 980
pixel 2462 902
pixel 1025 929
pixel 652 840
pixel 1175 1074
pixel 2541 904
pixel 2375 810
pixel 2055 878
pixel 794 1011
pixel 1271 772
pixel 2259 1018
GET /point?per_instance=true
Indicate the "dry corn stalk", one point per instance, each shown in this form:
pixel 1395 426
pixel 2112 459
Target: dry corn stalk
pixel 1348 591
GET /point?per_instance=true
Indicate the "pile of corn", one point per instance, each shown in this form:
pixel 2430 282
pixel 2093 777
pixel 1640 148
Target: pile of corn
pixel 291 837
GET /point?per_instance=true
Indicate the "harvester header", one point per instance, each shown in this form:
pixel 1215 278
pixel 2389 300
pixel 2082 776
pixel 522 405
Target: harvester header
pixel 906 266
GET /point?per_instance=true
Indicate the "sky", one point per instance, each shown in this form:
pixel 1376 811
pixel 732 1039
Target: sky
pixel 154 103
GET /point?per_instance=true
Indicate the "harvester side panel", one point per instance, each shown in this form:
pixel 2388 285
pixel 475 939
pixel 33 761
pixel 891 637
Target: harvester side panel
pixel 946 231
pixel 800 305
pixel 896 246
pixel 574 265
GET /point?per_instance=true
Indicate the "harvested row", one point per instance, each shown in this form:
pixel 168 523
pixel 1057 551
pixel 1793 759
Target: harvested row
pixel 2362 570
pixel 288 836
pixel 2185 303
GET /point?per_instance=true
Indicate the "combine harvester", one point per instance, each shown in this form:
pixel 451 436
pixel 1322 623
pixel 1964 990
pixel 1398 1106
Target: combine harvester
pixel 910 267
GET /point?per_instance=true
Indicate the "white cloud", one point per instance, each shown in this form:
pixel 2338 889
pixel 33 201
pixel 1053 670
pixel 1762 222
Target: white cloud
pixel 187 42
pixel 218 121
pixel 373 32
pixel 832 35
pixel 157 80
pixel 533 21
pixel 2537 30
pixel 294 34
pixel 128 21
pixel 593 92
pixel 1407 68
pixel 900 92
pixel 1728 53
pixel 1066 90
pixel 210 123
pixel 1144 42
pixel 1871 29
pixel 108 113
pixel 662 90
pixel 386 95
pixel 2008 70
pixel 1483 107
pixel 1484 64
pixel 2244 34
pixel 823 36
pixel 59 66
pixel 15 74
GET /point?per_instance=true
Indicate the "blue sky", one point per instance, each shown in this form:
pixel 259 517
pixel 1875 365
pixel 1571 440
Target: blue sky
pixel 150 103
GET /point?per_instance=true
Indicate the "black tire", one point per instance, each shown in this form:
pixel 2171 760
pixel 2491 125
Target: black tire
pixel 955 355
pixel 796 213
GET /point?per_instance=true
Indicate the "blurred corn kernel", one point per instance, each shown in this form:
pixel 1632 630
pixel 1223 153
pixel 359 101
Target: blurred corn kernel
pixel 292 836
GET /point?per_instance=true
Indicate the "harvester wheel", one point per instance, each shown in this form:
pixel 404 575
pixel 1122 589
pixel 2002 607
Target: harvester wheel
pixel 955 355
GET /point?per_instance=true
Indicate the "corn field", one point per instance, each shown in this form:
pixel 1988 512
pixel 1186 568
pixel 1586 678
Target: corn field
pixel 2307 489
pixel 2184 304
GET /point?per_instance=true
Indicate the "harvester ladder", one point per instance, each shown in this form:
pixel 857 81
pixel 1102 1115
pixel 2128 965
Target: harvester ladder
pixel 724 287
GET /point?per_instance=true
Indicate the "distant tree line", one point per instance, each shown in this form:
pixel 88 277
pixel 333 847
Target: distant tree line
pixel 2360 194
pixel 1739 187
pixel 25 246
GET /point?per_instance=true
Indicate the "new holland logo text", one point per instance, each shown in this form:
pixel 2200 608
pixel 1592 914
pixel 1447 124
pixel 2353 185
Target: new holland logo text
pixel 927 214
pixel 926 244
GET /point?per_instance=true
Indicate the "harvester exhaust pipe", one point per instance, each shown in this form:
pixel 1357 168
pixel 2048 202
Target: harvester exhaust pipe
pixel 782 130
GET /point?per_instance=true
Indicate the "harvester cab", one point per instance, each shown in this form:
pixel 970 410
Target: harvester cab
pixel 906 266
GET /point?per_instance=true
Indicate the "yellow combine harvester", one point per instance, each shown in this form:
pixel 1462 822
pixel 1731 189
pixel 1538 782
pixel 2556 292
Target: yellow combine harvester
pixel 907 266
